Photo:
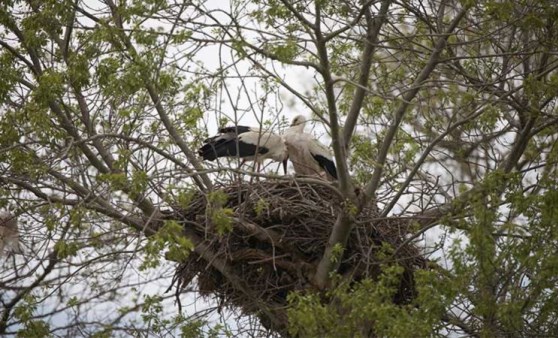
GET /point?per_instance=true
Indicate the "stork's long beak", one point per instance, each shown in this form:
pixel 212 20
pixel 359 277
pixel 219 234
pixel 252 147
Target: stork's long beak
pixel 285 165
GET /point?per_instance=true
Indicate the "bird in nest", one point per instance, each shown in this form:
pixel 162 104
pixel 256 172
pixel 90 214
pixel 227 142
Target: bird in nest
pixel 308 155
pixel 249 144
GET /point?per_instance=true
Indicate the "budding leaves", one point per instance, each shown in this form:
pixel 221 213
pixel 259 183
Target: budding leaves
pixel 171 237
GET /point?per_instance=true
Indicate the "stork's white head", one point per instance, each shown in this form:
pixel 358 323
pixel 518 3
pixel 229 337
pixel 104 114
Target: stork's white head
pixel 298 120
pixel 297 126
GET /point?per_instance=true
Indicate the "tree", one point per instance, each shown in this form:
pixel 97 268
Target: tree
pixel 442 119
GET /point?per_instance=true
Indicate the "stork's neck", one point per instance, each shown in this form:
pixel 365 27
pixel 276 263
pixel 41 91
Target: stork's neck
pixel 299 128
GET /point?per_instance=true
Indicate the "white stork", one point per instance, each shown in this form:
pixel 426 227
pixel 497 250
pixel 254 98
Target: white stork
pixel 247 143
pixel 308 155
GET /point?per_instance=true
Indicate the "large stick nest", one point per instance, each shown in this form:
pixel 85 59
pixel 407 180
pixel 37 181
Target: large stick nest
pixel 280 230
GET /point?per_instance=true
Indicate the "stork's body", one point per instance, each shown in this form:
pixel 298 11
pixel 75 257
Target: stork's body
pixel 246 143
pixel 308 155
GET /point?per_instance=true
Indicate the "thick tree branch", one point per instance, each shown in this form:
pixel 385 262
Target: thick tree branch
pixel 342 227
pixel 373 27
pixel 345 184
pixel 331 258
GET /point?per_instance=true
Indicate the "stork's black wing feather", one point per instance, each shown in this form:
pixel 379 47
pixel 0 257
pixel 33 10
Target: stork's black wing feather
pixel 235 129
pixel 227 133
pixel 327 164
pixel 208 151
pixel 229 148
pixel 217 146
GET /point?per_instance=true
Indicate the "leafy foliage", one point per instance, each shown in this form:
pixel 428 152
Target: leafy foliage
pixel 366 307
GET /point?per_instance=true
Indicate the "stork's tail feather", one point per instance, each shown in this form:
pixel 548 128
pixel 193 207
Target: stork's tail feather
pixel 327 164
